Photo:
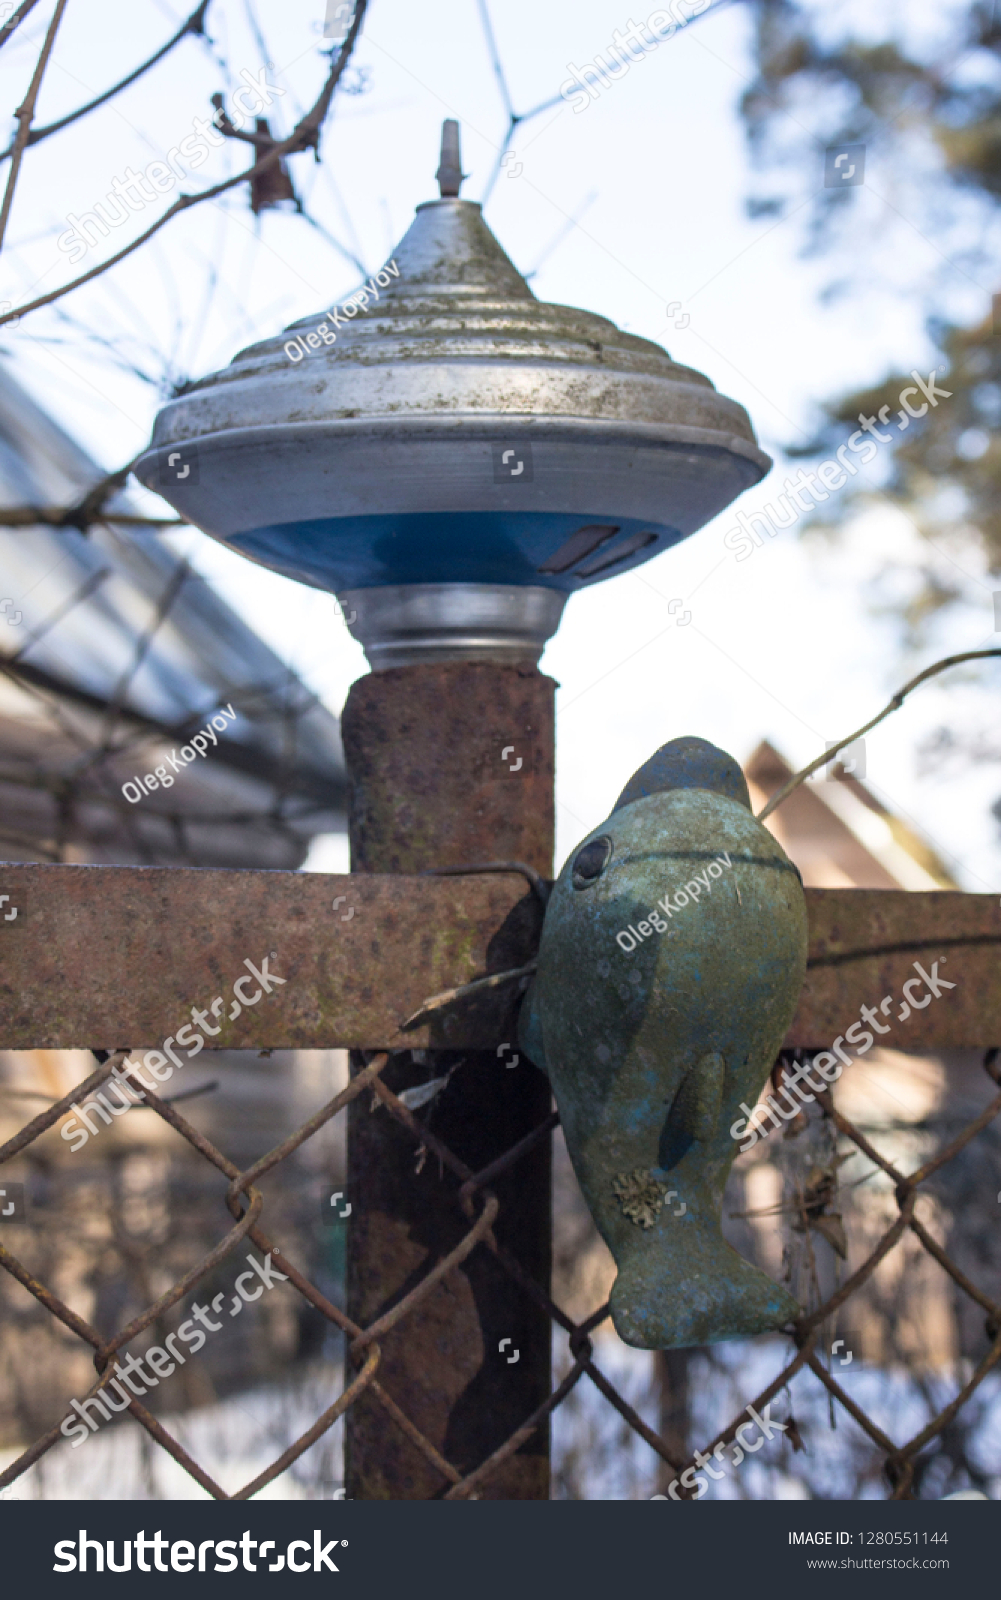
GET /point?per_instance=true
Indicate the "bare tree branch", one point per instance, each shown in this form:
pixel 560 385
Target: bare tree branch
pixel 304 136
pixel 496 61
pixel 195 24
pixel 89 509
pixel 73 517
pixel 343 250
pixel 19 15
pixel 894 705
pixel 24 114
pixel 83 592
pixel 567 228
pixel 515 118
pixel 175 584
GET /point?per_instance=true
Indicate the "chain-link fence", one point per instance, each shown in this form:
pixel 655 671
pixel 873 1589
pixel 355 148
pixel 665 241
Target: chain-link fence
pixel 810 1208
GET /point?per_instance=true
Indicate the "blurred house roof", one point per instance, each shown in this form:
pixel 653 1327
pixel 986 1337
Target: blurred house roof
pixel 839 835
pixel 113 652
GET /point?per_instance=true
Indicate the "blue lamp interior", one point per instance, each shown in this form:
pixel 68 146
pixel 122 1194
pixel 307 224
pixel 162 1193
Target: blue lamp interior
pixel 563 551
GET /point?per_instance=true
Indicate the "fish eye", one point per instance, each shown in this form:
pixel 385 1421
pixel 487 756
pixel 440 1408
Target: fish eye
pixel 591 861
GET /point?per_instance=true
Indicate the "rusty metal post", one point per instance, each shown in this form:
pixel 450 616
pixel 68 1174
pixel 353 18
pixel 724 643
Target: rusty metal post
pixel 450 763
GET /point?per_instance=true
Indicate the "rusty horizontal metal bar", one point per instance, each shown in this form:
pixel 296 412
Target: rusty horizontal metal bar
pixel 864 944
pixel 112 957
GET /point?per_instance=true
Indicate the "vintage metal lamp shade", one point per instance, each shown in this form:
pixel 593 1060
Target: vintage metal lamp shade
pixel 461 458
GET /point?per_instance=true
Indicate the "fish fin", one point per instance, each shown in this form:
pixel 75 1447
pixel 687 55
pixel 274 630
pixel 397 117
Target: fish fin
pixel 695 1111
pixel 697 1103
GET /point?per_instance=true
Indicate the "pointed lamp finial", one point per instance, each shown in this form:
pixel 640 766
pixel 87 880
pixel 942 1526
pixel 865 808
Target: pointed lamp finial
pixel 450 175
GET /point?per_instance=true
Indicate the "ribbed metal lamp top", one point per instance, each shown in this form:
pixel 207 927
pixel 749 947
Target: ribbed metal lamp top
pixel 460 333
pixel 443 427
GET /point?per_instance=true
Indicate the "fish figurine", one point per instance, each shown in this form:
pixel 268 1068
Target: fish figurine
pixel 672 956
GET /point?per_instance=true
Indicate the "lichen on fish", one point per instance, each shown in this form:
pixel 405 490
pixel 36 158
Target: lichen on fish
pixel 639 1195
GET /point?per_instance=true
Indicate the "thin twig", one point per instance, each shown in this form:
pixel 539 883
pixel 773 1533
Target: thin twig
pixel 194 24
pixel 69 517
pixel 894 705
pixel 88 509
pixel 324 233
pixel 13 22
pixel 304 136
pixel 144 641
pixel 572 222
pixel 24 114
pixel 441 1002
pixel 81 593
pixel 516 118
pixel 496 61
